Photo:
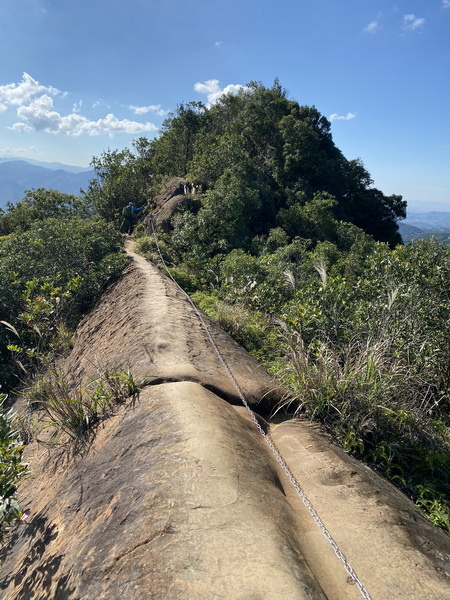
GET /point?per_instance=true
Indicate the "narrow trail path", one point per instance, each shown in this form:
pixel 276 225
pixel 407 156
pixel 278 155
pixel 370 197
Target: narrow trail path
pixel 148 324
pixel 343 490
pixel 179 497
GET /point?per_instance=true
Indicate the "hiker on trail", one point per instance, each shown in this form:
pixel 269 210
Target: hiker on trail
pixel 128 213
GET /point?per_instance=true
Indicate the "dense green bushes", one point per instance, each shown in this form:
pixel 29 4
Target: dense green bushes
pixel 369 355
pixel 56 257
pixel 258 161
pixel 53 265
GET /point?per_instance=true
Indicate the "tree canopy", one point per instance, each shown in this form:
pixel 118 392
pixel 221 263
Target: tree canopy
pixel 283 156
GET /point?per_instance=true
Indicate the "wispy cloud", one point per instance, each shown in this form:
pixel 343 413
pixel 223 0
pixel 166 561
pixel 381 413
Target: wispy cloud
pixel 348 117
pixel 21 128
pixel 372 27
pixel 412 23
pixel 153 108
pixel 100 102
pixel 218 44
pixel 77 106
pixel 213 90
pixel 445 3
pixel 3 107
pixel 19 151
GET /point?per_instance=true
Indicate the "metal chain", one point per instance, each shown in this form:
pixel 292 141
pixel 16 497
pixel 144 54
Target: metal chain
pixel 352 574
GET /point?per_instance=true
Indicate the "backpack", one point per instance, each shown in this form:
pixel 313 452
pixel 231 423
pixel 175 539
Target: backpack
pixel 127 211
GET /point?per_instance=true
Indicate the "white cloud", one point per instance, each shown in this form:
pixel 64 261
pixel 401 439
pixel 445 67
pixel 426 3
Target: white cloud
pixel 218 44
pixel 35 111
pixel 21 128
pixel 348 117
pixel 412 23
pixel 19 151
pixel 41 116
pixel 213 90
pixel 445 3
pixel 142 110
pixel 372 27
pixel 18 94
pixel 110 125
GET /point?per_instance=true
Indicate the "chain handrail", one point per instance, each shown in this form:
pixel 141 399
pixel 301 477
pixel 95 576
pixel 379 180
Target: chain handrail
pixel 277 454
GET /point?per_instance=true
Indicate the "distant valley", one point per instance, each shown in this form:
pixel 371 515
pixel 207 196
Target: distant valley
pixel 422 225
pixel 17 176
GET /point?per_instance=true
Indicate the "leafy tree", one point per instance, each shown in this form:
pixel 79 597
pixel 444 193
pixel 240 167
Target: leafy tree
pixel 39 204
pixel 50 274
pixel 282 150
pixel 173 151
pixel 367 207
pixel 312 220
pixel 122 177
pixel 279 149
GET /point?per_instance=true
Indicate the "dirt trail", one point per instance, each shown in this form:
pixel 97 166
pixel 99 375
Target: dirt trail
pixel 147 323
pixel 179 497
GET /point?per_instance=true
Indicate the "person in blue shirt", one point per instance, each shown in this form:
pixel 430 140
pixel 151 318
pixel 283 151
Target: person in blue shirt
pixel 128 213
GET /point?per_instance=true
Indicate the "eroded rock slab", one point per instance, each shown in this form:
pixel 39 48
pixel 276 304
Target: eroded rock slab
pixel 178 495
pixel 176 498
pixel 146 322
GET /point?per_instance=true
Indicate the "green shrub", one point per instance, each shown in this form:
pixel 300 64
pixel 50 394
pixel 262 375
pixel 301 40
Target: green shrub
pixel 49 276
pixel 74 414
pixel 13 470
pixel 367 353
pixel 250 329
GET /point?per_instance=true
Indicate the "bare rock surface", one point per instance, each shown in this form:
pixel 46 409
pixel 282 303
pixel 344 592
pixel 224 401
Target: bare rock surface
pixel 177 194
pixel 178 495
pixel 146 323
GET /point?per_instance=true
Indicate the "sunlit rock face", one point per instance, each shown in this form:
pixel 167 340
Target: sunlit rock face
pixel 178 496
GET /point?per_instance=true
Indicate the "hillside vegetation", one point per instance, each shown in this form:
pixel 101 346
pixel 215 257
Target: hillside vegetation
pixel 56 257
pixel 288 245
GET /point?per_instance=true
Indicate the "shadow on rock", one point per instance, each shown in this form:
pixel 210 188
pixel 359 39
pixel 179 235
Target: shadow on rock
pixel 35 576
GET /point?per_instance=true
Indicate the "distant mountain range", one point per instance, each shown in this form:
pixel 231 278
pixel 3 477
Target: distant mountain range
pixel 17 176
pixel 422 225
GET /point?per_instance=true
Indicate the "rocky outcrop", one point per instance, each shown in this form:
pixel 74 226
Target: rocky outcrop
pixel 178 496
pixel 177 194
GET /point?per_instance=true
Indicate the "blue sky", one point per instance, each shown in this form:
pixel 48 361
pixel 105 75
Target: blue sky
pixel 81 77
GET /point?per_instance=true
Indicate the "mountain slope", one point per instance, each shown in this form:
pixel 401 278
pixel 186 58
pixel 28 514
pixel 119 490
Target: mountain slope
pixel 423 225
pixel 428 220
pixel 18 176
pixel 47 165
